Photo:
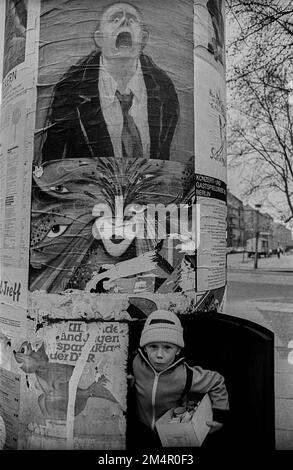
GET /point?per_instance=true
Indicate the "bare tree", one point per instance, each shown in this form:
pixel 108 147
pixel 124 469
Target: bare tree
pixel 263 35
pixel 260 130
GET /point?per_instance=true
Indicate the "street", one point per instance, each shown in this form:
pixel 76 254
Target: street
pixel 265 296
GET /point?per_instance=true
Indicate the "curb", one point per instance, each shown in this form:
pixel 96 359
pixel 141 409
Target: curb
pixel 260 270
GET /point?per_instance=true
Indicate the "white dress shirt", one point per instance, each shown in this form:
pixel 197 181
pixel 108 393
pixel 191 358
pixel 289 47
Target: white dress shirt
pixel 112 110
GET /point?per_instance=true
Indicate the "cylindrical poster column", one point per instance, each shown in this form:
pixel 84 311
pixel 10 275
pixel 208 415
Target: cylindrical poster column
pixel 113 201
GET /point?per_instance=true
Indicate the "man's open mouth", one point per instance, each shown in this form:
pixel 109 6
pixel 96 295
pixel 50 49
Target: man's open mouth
pixel 123 40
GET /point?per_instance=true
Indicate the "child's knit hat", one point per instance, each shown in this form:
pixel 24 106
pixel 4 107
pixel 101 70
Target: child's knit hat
pixel 162 326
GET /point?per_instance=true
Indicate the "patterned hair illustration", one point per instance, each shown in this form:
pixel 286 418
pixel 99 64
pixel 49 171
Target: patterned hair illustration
pixel 64 253
pixel 65 193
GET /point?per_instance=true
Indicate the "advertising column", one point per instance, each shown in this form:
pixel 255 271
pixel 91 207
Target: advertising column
pixel 113 136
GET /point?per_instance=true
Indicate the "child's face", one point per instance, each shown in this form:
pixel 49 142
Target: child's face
pixel 161 355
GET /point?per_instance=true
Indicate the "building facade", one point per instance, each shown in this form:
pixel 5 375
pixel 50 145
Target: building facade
pixel 243 221
pixel 235 222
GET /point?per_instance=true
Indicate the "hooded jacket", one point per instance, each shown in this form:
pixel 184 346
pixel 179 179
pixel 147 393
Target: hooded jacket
pixel 157 392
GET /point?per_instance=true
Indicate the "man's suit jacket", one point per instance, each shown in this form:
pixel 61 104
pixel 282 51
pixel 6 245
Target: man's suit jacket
pixel 78 128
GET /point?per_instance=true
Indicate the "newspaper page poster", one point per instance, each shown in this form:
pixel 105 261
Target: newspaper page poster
pixel 73 387
pixel 9 407
pixel 19 78
pixel 210 152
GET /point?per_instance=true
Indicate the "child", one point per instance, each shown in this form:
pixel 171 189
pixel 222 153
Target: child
pixel 160 377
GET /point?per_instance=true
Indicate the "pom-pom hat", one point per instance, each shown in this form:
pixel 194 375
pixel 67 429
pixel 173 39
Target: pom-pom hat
pixel 162 326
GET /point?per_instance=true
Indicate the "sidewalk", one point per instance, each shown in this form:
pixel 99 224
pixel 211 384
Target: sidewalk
pixel 276 314
pixel 273 263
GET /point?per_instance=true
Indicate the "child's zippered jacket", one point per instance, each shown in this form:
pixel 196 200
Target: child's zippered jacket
pixel 157 392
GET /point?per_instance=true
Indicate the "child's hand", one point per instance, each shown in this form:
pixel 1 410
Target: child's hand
pixel 214 426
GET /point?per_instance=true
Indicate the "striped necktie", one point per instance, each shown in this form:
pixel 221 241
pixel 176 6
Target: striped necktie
pixel 130 137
